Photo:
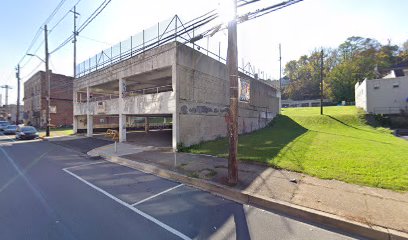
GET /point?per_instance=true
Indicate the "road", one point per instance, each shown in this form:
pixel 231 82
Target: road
pixel 48 191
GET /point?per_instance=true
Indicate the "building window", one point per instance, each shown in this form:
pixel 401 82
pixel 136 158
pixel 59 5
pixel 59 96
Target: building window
pixel 395 85
pixel 376 86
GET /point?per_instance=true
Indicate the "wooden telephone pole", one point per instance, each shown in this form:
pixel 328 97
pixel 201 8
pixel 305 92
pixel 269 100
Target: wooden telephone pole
pixel 280 69
pixel 74 41
pixel 47 81
pixel 232 68
pixel 18 94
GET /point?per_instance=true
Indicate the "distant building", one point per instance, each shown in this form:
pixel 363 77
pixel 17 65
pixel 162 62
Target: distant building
pixel 35 101
pixel 388 95
pixel 303 103
pixel 9 113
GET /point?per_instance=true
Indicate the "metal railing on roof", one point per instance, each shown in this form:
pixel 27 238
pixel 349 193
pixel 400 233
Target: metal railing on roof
pixel 172 29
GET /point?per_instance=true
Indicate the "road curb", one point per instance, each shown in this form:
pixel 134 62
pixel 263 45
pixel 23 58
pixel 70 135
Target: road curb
pixel 303 213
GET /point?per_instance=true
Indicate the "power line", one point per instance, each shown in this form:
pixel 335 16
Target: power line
pixel 91 39
pixel 273 8
pixel 84 25
pixel 38 33
pixel 34 52
pixel 54 12
pixel 32 72
pixel 246 3
pixel 94 15
pixel 63 17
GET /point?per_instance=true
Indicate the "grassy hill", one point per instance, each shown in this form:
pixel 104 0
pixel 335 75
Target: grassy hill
pixel 338 145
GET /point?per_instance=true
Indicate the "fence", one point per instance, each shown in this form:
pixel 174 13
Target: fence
pixel 163 32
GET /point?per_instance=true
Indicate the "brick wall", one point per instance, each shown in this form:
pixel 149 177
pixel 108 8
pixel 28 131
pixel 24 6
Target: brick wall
pixel 61 97
pixel 35 90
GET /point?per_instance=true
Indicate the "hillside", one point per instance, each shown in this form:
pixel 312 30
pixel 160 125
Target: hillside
pixel 338 145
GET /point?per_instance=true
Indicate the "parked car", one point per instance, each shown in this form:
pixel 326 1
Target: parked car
pixel 10 130
pixel 26 132
pixel 3 125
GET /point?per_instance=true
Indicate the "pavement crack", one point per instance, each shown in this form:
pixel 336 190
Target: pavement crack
pixel 300 181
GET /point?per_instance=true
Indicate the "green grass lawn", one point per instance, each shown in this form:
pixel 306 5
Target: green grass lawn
pixel 338 145
pixel 57 132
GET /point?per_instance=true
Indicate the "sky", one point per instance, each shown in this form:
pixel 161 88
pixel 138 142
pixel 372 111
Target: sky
pixel 299 28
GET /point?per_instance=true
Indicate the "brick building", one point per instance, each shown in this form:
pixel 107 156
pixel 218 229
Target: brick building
pixel 35 103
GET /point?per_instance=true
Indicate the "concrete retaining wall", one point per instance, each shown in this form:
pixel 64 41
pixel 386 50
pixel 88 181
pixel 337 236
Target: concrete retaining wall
pixel 204 99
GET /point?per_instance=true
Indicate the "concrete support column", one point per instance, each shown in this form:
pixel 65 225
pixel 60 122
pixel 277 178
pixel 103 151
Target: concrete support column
pixel 89 125
pixel 175 115
pixel 146 124
pixel 75 124
pixel 122 128
pixel 122 117
pixel 89 116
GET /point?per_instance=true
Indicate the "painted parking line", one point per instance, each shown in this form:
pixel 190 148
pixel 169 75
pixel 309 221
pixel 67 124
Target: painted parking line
pixel 145 215
pixel 160 193
pixel 84 165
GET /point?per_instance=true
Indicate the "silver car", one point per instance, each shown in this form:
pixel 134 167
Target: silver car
pixel 3 125
pixel 10 130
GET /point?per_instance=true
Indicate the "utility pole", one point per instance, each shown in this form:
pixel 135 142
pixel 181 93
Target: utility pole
pixel 232 68
pixel 18 94
pixel 7 87
pixel 280 68
pixel 75 37
pixel 321 82
pixel 48 84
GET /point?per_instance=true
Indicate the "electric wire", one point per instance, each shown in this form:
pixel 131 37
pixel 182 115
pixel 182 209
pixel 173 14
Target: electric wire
pixel 91 39
pixel 101 7
pixel 32 72
pixel 63 17
pixel 37 34
pixel 273 8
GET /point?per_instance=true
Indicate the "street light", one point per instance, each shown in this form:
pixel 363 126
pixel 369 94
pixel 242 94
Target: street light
pixel 33 55
pixel 47 77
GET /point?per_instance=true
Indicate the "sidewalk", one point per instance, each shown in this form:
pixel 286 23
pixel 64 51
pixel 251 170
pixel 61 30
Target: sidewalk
pixel 266 186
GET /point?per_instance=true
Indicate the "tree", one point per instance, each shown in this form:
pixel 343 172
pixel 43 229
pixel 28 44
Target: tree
pixel 403 54
pixel 354 60
pixel 341 81
pixel 305 74
pixel 355 45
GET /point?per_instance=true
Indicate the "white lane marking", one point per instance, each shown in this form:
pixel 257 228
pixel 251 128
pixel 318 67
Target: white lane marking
pixel 84 165
pixel 11 138
pixel 160 193
pixel 125 173
pixel 145 215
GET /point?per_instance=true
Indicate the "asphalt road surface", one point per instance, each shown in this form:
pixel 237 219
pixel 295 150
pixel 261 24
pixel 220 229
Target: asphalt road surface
pixel 48 191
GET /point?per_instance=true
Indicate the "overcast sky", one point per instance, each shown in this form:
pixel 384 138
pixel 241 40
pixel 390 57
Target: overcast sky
pixel 299 28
